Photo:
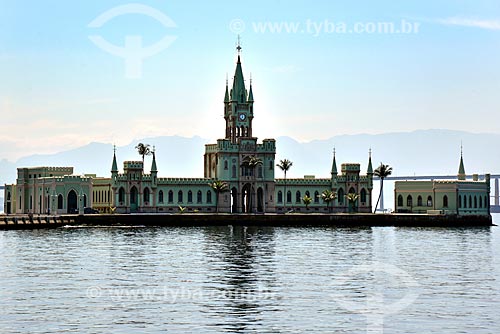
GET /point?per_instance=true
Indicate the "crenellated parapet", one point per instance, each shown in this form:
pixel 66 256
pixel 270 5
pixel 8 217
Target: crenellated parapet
pixel 184 181
pixel 303 182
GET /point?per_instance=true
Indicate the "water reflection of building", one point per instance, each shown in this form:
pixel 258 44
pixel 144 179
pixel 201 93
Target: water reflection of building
pixel 240 274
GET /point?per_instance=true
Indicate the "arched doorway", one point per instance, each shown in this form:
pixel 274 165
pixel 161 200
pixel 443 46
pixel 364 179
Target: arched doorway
pixel 234 200
pixel 72 202
pixel 260 200
pixel 134 199
pixel 246 198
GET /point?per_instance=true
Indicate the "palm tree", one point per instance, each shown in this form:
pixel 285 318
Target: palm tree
pixel 219 187
pixel 328 196
pixel 352 198
pixel 382 172
pixel 143 150
pixel 251 162
pixel 285 165
pixel 307 200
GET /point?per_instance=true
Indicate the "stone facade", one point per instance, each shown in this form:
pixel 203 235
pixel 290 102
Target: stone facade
pixel 45 190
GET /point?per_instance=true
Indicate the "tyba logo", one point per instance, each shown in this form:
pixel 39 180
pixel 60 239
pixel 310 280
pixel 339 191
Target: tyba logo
pixel 133 51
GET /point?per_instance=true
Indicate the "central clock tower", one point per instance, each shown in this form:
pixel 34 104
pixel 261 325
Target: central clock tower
pixel 251 186
pixel 238 107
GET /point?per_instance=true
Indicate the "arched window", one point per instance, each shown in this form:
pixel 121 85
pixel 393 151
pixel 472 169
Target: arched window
pixel 121 195
pixel 179 196
pixel 280 197
pixel 308 194
pixel 362 195
pixel 470 201
pixel 409 201
pixel 480 202
pixel 146 195
pixel 60 202
pixel 84 200
pixel 198 197
pixel 445 201
pixel 209 196
pixel 297 196
pixel 288 196
pixel 316 196
pixel 160 196
pixel 340 196
pixel 170 196
pixel 475 202
pixel 419 201
pixel 459 201
pixel 190 196
pixel 271 165
pixel 233 174
pixel 8 196
pixel 225 164
pixel 400 200
pixel 429 201
pixel 465 201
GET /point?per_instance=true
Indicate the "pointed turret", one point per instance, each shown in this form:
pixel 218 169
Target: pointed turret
pixel 461 168
pixel 114 167
pixel 226 96
pixel 250 94
pixel 334 165
pixel 370 167
pixel 153 164
pixel 238 93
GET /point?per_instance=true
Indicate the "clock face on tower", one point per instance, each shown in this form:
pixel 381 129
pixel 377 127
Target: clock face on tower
pixel 242 117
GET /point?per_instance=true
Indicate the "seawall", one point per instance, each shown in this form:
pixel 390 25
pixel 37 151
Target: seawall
pixel 202 219
pixel 10 222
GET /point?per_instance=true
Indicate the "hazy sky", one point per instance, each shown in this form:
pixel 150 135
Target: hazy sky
pixel 319 68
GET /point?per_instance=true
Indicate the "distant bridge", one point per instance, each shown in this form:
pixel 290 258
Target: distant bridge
pixel 495 207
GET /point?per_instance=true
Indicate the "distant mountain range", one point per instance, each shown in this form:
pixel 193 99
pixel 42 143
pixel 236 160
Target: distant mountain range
pixel 409 153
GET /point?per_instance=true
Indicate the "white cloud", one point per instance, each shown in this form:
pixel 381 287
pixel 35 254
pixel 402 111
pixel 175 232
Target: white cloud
pixel 471 22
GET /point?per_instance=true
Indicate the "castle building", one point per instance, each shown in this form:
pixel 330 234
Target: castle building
pixel 246 166
pixel 248 169
pixel 462 196
pixel 46 190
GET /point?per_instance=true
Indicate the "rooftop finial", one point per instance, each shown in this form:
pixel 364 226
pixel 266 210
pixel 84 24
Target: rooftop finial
pixel 154 149
pixel 461 149
pixel 238 47
pixel 114 148
pixel 370 152
pixel 334 151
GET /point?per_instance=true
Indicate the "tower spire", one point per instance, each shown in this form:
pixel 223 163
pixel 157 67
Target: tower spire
pixel 226 95
pixel 114 167
pixel 238 93
pixel 250 93
pixel 370 167
pixel 461 168
pixel 154 169
pixel 334 163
